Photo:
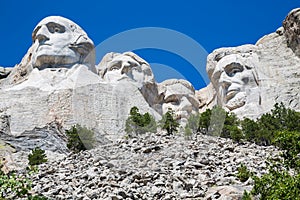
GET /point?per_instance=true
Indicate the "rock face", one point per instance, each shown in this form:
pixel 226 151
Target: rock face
pixel 49 137
pixel 115 68
pixel 248 80
pixel 57 82
pixel 291 26
pixel 4 72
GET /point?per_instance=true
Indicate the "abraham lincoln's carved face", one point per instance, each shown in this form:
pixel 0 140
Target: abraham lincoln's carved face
pixel 231 78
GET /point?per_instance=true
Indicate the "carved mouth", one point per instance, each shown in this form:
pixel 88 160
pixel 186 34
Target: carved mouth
pixel 231 93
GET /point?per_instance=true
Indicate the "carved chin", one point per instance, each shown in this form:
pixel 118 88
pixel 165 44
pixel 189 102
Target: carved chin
pixel 237 101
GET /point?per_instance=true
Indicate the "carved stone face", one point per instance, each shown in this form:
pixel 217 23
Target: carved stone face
pixel 179 95
pixel 127 65
pixel 61 43
pixel 232 77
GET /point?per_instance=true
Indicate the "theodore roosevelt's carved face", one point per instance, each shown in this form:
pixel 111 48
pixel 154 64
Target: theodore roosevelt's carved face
pixel 231 78
pixel 60 43
pixel 179 95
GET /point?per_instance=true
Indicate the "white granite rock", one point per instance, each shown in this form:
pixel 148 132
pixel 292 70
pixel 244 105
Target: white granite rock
pixel 248 80
pixel 56 81
pixel 179 95
pixel 128 66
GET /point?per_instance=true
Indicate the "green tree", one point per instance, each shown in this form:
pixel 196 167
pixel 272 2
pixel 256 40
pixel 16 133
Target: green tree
pixel 230 128
pixel 263 130
pixel 140 123
pixel 283 178
pixel 289 143
pixel 37 157
pixel 80 138
pixel 204 121
pixel 168 122
pixel 250 129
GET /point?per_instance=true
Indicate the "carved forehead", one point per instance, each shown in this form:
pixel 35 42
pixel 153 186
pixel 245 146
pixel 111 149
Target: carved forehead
pixel 230 59
pixel 178 86
pixel 68 24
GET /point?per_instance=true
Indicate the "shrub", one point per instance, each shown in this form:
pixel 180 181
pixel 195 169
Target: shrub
pixel 230 128
pixel 80 138
pixel 263 130
pixel 249 129
pixel 169 123
pixel 13 186
pixel 246 196
pixel 138 123
pixel 37 157
pixel 289 143
pixel 243 173
pixel 235 133
pixel 188 131
pixel 277 184
pixel 283 178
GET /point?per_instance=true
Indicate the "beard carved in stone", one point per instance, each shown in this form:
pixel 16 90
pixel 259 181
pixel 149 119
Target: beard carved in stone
pixel 60 42
pixel 233 78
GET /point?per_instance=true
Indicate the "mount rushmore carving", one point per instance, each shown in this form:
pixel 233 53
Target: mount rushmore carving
pixel 58 81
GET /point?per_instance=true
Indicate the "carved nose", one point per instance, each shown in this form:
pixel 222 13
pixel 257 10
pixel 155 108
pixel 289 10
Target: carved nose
pixel 42 34
pixel 225 80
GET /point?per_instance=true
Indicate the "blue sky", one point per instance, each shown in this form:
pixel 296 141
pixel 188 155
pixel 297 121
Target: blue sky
pixel 211 24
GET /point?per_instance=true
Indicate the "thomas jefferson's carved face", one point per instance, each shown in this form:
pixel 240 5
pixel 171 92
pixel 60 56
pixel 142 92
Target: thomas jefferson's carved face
pixel 128 65
pixel 231 77
pixel 59 43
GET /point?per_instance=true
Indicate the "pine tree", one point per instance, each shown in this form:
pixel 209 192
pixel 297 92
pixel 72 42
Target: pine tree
pixel 37 157
pixel 169 123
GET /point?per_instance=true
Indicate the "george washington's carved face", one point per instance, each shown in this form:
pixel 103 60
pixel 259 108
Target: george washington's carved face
pixel 231 78
pixel 61 43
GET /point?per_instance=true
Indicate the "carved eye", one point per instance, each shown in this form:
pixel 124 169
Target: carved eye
pixel 234 71
pixel 56 29
pixel 233 68
pixel 115 67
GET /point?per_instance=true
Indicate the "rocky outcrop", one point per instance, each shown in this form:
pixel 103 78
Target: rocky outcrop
pixel 291 31
pixel 4 72
pixel 153 166
pixel 50 138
